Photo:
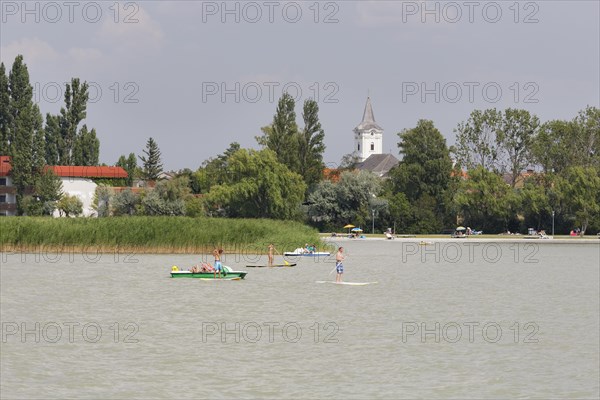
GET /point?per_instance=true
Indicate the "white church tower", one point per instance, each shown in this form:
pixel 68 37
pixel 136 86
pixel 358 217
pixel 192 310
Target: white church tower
pixel 368 136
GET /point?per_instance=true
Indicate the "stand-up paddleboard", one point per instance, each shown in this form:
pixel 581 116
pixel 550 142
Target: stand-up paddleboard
pixel 237 278
pixel 271 266
pixel 348 283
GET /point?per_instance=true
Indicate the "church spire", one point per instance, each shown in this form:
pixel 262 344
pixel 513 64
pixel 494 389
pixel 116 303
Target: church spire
pixel 368 120
pixel 368 135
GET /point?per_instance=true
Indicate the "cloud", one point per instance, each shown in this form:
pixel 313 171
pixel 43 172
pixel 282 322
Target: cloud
pixel 137 32
pixel 34 50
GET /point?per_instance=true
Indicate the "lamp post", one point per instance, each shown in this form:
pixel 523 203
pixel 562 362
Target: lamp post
pixel 373 211
pixel 552 222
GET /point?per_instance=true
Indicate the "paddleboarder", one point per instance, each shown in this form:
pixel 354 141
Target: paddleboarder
pixel 271 249
pixel 339 267
pixel 218 266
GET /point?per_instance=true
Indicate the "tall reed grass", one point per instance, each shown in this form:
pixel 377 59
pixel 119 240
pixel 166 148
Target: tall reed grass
pixel 154 234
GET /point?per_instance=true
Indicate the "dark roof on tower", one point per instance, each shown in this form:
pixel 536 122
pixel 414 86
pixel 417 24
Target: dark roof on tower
pixel 368 121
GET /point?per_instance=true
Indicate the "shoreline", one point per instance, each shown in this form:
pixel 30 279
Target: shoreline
pixel 251 250
pixel 430 239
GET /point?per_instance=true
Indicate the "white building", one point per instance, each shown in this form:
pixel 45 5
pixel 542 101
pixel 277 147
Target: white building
pixel 368 145
pixel 368 135
pixel 76 181
pixel 8 199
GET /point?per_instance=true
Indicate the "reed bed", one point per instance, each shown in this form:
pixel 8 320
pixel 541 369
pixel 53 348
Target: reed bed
pixel 153 234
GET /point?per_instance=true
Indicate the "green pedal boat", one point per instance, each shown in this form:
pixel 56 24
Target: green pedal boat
pixel 227 274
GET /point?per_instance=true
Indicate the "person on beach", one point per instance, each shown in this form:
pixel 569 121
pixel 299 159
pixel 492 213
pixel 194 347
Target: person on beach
pixel 271 249
pixel 339 267
pixel 218 266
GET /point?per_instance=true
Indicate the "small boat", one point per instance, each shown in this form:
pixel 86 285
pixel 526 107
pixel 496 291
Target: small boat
pixel 227 274
pixel 300 252
pixel 271 266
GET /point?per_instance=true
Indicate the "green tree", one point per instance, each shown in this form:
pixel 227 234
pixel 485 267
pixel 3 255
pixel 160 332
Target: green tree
pixel 75 111
pixel 579 190
pixel 476 140
pixel 125 203
pixel 282 135
pixel 129 164
pixel 588 139
pixel 5 115
pixel 485 200
pixel 167 198
pixel 53 139
pixel 213 171
pixel 86 148
pixel 311 146
pixel 24 130
pixel 152 164
pixel 194 207
pixel 515 137
pixel 349 161
pixel 424 176
pixel 258 186
pixel 352 199
pixel 71 206
pixel 553 148
pixel 426 165
pixel 102 201
pixel 535 200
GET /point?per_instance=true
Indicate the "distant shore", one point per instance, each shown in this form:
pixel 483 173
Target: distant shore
pixel 557 239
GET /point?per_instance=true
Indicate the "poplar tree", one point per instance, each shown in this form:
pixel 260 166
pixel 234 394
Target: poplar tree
pixel 310 145
pixel 86 148
pixel 282 135
pixel 5 119
pixel 24 129
pixel 129 164
pixel 75 110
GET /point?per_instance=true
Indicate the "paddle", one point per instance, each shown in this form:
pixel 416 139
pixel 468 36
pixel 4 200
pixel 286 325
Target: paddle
pixel 284 260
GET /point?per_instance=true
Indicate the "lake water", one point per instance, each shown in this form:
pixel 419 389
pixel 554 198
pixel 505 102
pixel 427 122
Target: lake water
pixel 445 320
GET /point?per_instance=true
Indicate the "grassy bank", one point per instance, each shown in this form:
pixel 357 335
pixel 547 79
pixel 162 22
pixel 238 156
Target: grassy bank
pixel 152 234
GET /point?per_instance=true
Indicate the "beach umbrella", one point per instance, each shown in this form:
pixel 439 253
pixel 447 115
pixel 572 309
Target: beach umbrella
pixel 357 230
pixel 461 228
pixel 348 227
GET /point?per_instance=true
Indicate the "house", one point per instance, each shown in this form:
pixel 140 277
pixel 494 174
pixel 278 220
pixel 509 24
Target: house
pixel 8 199
pixel 76 181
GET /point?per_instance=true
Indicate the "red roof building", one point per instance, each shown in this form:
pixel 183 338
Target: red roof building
pixel 74 171
pixel 71 171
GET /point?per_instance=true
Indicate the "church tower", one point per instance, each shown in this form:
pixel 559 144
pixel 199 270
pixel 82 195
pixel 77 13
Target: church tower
pixel 368 136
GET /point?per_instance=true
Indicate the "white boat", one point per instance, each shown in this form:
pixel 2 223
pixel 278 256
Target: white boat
pixel 301 252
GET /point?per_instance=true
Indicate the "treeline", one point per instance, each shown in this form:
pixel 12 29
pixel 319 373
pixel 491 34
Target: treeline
pixel 506 172
pixel 564 160
pixel 33 144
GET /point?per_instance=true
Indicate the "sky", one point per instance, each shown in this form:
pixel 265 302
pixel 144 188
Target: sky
pixel 199 75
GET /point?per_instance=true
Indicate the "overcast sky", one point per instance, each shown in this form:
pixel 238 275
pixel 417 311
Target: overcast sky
pixel 198 75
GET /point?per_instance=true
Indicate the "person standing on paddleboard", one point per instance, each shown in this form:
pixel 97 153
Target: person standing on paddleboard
pixel 271 248
pixel 339 267
pixel 218 266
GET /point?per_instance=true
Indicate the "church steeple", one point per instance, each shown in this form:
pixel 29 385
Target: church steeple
pixel 368 120
pixel 368 135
